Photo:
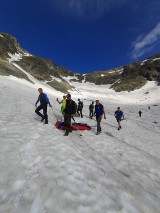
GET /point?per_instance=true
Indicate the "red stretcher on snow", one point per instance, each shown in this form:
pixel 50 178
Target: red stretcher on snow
pixel 75 126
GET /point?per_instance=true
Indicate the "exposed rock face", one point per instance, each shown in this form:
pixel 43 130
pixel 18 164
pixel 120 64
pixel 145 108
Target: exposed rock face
pixel 103 77
pixel 7 69
pixel 39 68
pixel 125 78
pixel 130 77
pixel 9 44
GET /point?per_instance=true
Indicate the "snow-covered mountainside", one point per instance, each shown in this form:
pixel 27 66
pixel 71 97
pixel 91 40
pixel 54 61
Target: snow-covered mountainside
pixel 14 59
pixel 43 171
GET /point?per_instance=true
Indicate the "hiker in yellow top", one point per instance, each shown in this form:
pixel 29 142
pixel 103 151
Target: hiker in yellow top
pixel 63 102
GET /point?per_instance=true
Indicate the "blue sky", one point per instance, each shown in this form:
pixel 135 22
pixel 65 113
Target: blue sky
pixel 85 35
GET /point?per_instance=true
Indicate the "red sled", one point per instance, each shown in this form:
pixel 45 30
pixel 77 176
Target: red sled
pixel 75 126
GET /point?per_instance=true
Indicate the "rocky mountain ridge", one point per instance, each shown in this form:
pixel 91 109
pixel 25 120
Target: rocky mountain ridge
pixel 125 78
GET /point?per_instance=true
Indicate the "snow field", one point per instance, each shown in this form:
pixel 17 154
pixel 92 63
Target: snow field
pixel 43 171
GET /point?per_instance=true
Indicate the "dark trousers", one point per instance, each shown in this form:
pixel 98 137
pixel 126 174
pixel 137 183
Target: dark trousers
pixel 98 119
pixel 67 122
pixel 91 113
pixel 79 112
pixel 44 107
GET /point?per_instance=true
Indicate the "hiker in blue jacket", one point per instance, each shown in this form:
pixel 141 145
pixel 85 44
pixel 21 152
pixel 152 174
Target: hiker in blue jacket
pixel 119 116
pixel 43 99
pixel 99 112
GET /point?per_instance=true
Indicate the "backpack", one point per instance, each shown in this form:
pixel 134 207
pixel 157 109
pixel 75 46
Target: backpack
pixel 80 105
pixel 74 106
pixel 91 107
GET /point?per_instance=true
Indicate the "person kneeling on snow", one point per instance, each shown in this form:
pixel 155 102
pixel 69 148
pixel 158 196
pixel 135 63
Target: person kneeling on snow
pixel 43 98
pixel 69 111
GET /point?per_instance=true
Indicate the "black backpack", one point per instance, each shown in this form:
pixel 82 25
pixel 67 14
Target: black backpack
pixel 80 105
pixel 74 107
pixel 91 107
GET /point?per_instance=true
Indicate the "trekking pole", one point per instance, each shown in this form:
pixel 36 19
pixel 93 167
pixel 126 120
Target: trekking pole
pixel 77 127
pixel 78 130
pixel 124 119
pixel 54 114
pixel 73 119
pixel 33 105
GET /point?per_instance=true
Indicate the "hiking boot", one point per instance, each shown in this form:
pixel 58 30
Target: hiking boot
pixel 66 134
pixel 70 130
pixel 118 128
pixel 98 133
pixel 46 122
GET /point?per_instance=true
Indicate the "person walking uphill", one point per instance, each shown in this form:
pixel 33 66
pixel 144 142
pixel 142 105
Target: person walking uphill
pixel 91 108
pixel 99 112
pixel 140 113
pixel 69 111
pixel 43 99
pixel 119 115
pixel 79 108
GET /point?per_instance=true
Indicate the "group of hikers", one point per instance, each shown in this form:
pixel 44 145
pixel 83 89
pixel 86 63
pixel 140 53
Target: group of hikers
pixel 140 112
pixel 69 109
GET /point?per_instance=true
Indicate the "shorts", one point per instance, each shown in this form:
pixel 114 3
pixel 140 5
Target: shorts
pixel 118 119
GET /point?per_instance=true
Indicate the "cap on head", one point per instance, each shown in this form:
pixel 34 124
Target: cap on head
pixel 118 107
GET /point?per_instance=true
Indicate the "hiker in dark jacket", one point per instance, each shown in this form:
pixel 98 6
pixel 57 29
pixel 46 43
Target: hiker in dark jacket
pixel 69 111
pixel 43 99
pixel 79 108
pixel 99 112
pixel 140 113
pixel 91 109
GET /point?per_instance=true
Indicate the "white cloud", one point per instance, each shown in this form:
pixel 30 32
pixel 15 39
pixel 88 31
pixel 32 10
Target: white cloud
pixel 91 9
pixel 144 44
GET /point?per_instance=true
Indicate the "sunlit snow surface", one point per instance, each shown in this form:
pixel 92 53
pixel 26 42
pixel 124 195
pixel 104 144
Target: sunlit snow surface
pixel 41 171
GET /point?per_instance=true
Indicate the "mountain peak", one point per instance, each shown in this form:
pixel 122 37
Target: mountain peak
pixel 124 78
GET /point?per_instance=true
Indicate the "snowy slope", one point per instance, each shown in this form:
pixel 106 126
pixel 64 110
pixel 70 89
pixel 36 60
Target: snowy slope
pixel 43 171
pixel 146 95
